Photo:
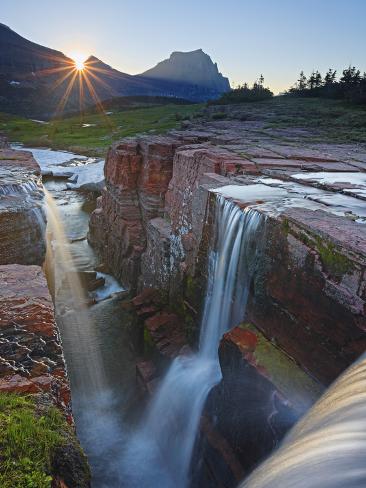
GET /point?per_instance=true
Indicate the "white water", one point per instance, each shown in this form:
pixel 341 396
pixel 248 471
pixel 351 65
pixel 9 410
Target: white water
pixel 159 453
pixel 70 297
pixel 327 448
pixel 100 363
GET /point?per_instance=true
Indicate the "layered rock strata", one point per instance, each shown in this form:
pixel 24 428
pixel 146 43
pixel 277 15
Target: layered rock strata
pixel 154 227
pixel 31 363
pixel 31 357
pixel 22 220
pixel 262 394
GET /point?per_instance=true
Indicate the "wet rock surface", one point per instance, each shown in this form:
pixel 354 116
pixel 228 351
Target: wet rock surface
pixel 261 395
pixel 30 349
pixel 22 221
pixel 32 362
pixel 153 228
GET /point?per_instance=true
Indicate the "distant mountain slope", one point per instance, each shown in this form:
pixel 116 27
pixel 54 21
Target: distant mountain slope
pixel 35 80
pixel 194 67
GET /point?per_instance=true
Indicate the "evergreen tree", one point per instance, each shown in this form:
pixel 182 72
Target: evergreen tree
pixel 312 81
pixel 302 81
pixel 351 76
pixel 318 79
pixel 330 77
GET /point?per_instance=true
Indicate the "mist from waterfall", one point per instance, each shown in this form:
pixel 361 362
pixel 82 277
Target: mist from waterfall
pixel 95 404
pixel 160 451
pixel 70 296
pixel 327 448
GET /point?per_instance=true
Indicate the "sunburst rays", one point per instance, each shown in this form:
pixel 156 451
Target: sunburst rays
pixel 80 77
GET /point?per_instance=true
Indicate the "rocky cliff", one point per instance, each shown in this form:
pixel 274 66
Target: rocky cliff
pixel 22 220
pixel 31 357
pixel 306 306
pixel 194 68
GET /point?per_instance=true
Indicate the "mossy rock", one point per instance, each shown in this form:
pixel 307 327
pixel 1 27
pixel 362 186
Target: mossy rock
pixel 37 445
pixel 334 262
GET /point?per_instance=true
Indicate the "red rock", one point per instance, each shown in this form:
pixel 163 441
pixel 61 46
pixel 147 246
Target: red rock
pixel 309 297
pixel 244 339
pixel 167 333
pixel 22 220
pixel 147 296
pixel 18 384
pixel 27 322
pixel 43 382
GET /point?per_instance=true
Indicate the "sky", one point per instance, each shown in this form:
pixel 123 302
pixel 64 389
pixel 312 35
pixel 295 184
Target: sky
pixel 278 38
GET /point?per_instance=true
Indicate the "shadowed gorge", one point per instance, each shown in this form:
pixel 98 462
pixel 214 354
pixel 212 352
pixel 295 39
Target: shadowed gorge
pixel 182 263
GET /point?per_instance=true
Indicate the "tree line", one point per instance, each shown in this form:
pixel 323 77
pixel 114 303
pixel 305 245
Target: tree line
pixel 245 93
pixel 351 85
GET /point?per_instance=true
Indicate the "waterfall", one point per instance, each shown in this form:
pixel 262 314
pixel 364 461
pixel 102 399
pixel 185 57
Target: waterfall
pixel 159 453
pixel 94 402
pixel 71 300
pixel 327 448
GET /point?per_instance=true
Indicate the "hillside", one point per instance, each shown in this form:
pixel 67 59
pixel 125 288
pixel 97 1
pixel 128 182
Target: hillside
pixel 39 82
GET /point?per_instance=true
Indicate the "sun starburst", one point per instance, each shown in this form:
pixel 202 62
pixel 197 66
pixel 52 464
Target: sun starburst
pixel 82 72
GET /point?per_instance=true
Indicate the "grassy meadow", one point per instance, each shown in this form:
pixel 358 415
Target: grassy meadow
pixel 92 133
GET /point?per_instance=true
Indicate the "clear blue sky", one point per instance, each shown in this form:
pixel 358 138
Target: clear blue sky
pixel 245 37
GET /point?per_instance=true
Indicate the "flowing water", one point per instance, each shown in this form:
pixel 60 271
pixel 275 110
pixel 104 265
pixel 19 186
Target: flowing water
pixel 327 448
pixel 159 453
pixel 95 337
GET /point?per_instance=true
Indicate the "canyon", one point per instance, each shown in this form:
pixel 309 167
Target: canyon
pixel 295 322
pixel 305 316
pixel 31 355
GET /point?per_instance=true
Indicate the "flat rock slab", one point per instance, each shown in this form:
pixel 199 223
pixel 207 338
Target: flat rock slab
pixel 343 232
pixel 31 358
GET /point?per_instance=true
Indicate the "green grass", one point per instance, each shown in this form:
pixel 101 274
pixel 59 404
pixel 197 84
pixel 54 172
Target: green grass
pixel 69 133
pixel 329 120
pixel 27 439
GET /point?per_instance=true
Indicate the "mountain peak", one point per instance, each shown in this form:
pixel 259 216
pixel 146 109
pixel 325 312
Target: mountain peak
pixel 3 26
pixel 192 67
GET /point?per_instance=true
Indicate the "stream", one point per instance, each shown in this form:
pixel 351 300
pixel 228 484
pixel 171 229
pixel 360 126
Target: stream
pixel 327 448
pixel 103 396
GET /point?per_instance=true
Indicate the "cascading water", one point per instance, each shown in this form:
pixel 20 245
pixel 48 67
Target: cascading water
pixel 94 402
pixel 159 453
pixel 70 296
pixel 327 448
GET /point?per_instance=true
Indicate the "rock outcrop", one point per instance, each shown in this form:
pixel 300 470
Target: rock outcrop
pixel 31 356
pixel 32 363
pixel 22 220
pixel 193 68
pixel 154 228
pixel 309 294
pixel 262 394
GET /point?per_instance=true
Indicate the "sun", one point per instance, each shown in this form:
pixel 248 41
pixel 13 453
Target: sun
pixel 79 60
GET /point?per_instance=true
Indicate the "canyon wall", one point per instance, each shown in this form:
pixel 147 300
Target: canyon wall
pixel 153 229
pixel 22 220
pixel 31 356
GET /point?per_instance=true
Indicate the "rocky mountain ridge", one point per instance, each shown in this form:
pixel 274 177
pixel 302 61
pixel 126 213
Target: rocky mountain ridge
pixel 194 68
pixel 34 79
